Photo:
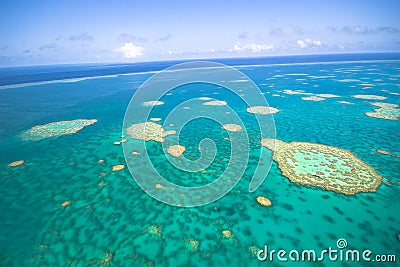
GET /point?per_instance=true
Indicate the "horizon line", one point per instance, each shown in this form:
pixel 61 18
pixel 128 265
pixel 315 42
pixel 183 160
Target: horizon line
pixel 198 59
pixel 237 65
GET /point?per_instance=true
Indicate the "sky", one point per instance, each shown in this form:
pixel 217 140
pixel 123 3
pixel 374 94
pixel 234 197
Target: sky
pixel 88 31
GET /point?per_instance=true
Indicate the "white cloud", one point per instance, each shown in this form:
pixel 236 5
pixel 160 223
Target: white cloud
pixel 304 43
pixel 252 47
pixel 129 50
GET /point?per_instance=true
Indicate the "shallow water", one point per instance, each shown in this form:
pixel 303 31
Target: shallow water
pixel 110 213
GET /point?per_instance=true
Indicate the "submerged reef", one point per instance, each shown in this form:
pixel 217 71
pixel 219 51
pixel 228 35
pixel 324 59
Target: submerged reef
pixel 384 111
pixel 55 129
pixel 344 102
pixel 370 97
pixel 295 92
pixel 323 166
pixel 327 95
pixel 310 97
pixel 192 244
pixel 313 98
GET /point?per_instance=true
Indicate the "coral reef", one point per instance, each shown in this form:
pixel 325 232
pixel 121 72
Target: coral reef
pixel 152 103
pixel 263 201
pixel 16 163
pixel 176 150
pixel 118 167
pixel 232 127
pixel 370 97
pixel 313 98
pixel 55 129
pixel 385 111
pixel 323 166
pixel 215 103
pixel 148 131
pixel 262 110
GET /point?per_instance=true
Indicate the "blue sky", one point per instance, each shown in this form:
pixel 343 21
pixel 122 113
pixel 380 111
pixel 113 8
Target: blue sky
pixel 53 32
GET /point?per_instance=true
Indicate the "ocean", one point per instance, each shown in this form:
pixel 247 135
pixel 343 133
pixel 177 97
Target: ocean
pixel 65 206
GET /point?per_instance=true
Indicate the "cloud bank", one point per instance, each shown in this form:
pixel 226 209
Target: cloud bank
pixel 306 43
pixel 129 50
pixel 251 47
pixel 127 37
pixel 364 30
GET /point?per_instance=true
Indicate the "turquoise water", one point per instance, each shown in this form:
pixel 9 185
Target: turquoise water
pixel 108 220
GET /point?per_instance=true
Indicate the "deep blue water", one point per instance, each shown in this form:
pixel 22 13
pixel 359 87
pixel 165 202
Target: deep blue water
pixel 27 74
